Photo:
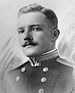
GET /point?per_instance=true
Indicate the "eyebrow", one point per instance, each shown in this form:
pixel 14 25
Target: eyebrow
pixel 36 25
pixel 31 26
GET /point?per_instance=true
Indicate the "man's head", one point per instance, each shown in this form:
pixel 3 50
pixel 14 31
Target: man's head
pixel 37 29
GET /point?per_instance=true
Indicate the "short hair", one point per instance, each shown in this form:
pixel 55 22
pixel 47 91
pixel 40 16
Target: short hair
pixel 38 8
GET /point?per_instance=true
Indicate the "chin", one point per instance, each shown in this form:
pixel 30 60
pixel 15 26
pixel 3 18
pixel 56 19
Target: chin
pixel 32 53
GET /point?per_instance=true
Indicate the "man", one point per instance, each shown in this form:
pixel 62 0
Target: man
pixel 44 72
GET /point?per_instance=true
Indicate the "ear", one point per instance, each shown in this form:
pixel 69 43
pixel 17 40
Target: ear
pixel 55 34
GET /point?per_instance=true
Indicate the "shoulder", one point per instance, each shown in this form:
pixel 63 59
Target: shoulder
pixel 66 81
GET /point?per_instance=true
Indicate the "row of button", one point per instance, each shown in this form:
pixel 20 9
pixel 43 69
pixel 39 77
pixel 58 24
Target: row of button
pixel 42 79
pixel 44 70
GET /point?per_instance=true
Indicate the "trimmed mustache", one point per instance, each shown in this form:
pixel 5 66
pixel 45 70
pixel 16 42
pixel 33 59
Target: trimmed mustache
pixel 28 42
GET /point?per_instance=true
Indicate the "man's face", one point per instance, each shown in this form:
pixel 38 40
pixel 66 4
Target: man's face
pixel 35 36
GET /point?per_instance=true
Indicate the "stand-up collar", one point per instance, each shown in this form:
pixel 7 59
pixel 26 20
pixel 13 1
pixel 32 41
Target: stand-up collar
pixel 35 61
pixel 45 56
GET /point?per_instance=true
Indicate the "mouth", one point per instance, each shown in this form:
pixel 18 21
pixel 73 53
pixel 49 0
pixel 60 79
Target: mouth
pixel 28 43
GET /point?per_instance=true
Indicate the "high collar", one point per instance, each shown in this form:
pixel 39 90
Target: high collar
pixel 45 56
pixel 34 61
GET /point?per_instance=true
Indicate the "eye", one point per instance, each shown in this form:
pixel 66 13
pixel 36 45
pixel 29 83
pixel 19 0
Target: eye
pixel 37 28
pixel 20 31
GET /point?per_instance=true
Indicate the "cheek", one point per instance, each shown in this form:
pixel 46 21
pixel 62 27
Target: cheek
pixel 39 38
pixel 38 35
pixel 42 37
pixel 42 40
pixel 46 41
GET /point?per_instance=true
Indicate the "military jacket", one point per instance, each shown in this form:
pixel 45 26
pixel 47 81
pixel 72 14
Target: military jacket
pixel 51 76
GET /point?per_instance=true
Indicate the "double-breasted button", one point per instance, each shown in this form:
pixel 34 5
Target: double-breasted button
pixel 23 69
pixel 17 78
pixel 45 69
pixel 43 79
pixel 41 90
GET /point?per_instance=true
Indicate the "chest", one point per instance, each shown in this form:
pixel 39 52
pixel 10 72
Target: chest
pixel 28 79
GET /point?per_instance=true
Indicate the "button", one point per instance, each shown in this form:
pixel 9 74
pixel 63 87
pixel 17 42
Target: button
pixel 23 69
pixel 43 79
pixel 41 90
pixel 45 69
pixel 17 78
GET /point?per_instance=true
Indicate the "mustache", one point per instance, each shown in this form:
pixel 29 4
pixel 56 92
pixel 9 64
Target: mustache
pixel 29 42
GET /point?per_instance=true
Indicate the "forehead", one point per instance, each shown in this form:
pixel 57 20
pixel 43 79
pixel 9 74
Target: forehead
pixel 32 18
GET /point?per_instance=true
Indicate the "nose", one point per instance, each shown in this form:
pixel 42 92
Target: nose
pixel 27 34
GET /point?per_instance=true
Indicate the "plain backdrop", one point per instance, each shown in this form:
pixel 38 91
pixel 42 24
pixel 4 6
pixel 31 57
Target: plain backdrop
pixel 10 8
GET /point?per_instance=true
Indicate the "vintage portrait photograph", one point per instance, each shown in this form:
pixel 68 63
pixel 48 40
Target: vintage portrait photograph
pixel 37 46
